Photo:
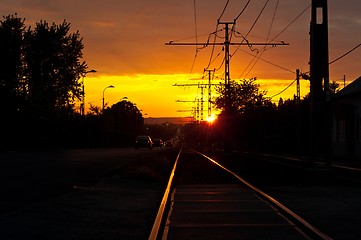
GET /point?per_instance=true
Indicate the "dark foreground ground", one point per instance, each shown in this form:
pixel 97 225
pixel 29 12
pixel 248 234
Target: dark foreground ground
pixel 123 203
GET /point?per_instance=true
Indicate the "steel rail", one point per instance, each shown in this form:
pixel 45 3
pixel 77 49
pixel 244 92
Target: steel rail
pixel 298 159
pixel 158 220
pixel 310 228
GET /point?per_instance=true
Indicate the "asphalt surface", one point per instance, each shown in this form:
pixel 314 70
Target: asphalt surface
pixel 80 194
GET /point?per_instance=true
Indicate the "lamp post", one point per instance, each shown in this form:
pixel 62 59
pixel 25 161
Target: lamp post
pixel 110 86
pixel 82 104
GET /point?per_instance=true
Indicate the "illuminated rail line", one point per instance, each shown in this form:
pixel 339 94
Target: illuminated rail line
pixel 161 224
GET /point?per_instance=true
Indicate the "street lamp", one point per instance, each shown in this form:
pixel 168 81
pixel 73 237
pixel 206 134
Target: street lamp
pixel 82 105
pixel 110 86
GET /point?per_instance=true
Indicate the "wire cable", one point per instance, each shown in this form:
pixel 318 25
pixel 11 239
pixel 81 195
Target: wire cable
pixel 284 89
pixel 256 20
pixel 249 31
pixel 353 49
pixel 213 47
pixel 343 55
pixel 283 30
pixel 294 20
pixel 264 60
pixel 196 34
pixel 244 8
pixel 224 9
pixel 264 47
pixel 195 20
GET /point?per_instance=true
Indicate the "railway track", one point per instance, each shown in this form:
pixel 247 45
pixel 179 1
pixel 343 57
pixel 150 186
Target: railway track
pixel 340 173
pixel 206 200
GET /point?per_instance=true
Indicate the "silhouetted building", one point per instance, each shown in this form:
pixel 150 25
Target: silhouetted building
pixel 346 120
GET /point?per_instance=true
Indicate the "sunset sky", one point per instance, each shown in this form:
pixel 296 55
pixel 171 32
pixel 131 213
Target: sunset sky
pixel 125 42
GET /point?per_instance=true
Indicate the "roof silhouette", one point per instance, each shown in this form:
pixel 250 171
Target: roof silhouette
pixel 353 88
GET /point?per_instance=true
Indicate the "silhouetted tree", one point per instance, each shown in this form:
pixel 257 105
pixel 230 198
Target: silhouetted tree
pixel 334 87
pixel 243 96
pixel 122 122
pixel 164 131
pixel 12 85
pixel 94 110
pixel 11 66
pixel 40 72
pixel 241 123
pixel 53 68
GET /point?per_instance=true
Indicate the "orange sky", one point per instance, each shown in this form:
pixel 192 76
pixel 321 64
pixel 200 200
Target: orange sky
pixel 124 41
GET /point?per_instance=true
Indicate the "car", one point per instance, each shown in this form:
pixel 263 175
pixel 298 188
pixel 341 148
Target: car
pixel 158 143
pixel 143 141
pixel 168 143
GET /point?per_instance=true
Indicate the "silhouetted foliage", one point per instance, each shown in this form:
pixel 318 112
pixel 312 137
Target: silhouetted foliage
pixel 53 69
pixel 12 85
pixel 122 122
pixel 40 70
pixel 334 87
pixel 164 131
pixel 94 110
pixel 257 125
pixel 243 96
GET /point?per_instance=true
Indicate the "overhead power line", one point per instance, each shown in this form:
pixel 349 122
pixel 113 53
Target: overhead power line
pixel 353 49
pixel 196 34
pixel 284 29
pixel 244 8
pixel 294 20
pixel 224 9
pixel 284 89
pixel 254 23
pixel 342 56
pixel 264 48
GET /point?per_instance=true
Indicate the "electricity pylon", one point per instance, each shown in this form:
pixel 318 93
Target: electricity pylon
pixel 201 86
pixel 226 44
pixel 209 91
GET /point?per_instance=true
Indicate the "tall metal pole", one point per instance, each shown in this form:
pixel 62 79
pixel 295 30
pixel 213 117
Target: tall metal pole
pixel 227 75
pixel 226 45
pixel 319 78
pixel 82 104
pixel 110 86
pixel 298 91
pixel 202 92
pixel 209 92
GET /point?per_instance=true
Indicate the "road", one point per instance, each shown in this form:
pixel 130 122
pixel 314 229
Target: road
pixel 81 194
pixel 27 177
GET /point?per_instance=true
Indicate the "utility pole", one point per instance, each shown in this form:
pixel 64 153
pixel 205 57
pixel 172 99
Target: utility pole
pixel 201 100
pixel 319 79
pixel 193 111
pixel 209 91
pixel 227 74
pixel 196 111
pixel 298 88
pixel 201 86
pixel 226 44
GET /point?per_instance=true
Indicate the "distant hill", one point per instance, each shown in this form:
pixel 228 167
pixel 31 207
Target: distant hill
pixel 173 120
